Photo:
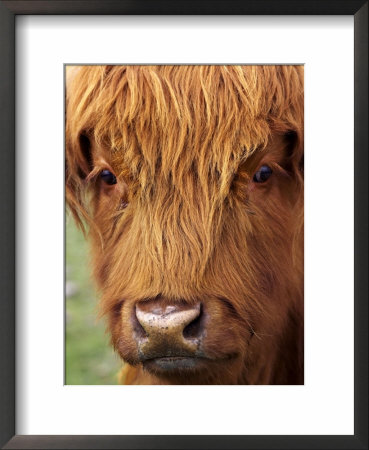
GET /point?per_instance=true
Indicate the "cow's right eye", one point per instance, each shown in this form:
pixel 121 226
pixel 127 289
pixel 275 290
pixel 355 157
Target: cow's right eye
pixel 108 177
pixel 262 174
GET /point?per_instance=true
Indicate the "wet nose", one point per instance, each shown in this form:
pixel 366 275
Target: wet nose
pixel 168 330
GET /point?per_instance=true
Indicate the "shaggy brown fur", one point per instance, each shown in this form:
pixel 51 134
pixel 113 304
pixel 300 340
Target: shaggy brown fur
pixel 186 222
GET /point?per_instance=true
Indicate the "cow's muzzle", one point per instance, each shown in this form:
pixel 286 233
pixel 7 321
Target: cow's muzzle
pixel 169 336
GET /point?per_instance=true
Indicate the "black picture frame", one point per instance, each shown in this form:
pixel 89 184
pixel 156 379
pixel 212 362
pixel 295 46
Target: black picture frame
pixel 8 12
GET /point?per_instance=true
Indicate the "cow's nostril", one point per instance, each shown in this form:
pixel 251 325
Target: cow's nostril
pixel 195 328
pixel 138 329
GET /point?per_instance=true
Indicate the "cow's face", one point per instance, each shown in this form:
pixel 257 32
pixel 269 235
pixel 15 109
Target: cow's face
pixel 196 213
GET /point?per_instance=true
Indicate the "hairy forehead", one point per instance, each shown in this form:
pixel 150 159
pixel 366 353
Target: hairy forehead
pixel 273 150
pixel 178 117
pixel 206 99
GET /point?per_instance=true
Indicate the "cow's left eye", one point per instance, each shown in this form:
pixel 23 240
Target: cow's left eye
pixel 108 177
pixel 262 174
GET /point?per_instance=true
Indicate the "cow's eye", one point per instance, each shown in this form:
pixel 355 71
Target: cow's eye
pixel 108 177
pixel 262 174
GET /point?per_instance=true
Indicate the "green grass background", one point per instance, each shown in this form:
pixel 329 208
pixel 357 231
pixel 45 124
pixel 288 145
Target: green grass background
pixel 89 358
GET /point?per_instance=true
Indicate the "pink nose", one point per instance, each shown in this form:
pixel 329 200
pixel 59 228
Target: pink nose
pixel 168 330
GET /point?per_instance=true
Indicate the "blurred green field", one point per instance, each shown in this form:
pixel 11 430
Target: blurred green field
pixel 89 358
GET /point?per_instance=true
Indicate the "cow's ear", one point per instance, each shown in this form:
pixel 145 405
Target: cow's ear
pixel 77 167
pixel 78 156
pixel 295 152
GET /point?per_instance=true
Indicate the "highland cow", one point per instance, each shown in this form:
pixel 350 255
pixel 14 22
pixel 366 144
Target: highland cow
pixel 189 180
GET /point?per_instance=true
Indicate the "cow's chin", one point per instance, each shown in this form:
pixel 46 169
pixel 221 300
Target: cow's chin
pixel 188 370
pixel 184 366
pixel 174 364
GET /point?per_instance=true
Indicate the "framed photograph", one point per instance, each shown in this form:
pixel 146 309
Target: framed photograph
pixel 217 156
